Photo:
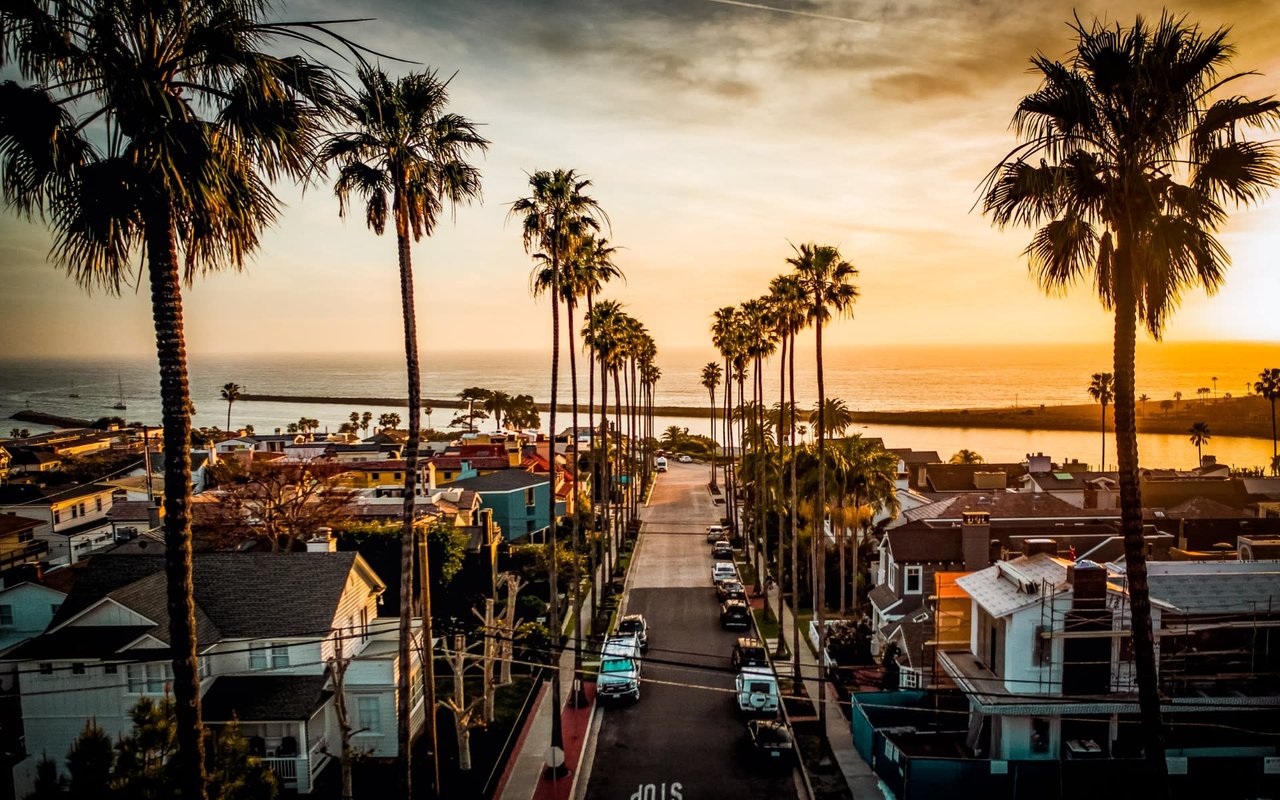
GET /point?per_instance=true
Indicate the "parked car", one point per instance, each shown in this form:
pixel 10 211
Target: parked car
pixel 723 570
pixel 716 532
pixel 769 743
pixel 735 614
pixel 722 550
pixel 730 589
pixel 685 459
pixel 635 625
pixel 661 464
pixel 757 691
pixel 748 651
pixel 620 667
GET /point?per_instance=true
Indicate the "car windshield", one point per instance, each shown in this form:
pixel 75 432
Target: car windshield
pixel 631 626
pixel 773 735
pixel 753 654
pixel 760 687
pixel 616 665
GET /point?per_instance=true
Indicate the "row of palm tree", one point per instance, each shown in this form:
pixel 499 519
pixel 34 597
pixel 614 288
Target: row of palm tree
pixel 818 287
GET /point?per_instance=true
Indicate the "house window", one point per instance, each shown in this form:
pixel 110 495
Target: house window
pixel 82 511
pixel 368 714
pixel 53 607
pixel 375 476
pixel 529 497
pixel 890 571
pixel 75 512
pixel 912 580
pixel 110 669
pixel 279 655
pixel 6 615
pixel 364 623
pixel 77 668
pixel 98 501
pixel 148 678
pixel 46 668
pixel 258 657
pixel 397 476
pixel 57 517
pixel 27 536
pixel 1042 648
pixel 1039 735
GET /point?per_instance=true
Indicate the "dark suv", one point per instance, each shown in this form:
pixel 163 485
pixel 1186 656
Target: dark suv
pixel 735 614
pixel 726 590
pixel 749 652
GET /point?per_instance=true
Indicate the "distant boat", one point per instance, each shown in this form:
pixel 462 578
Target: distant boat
pixel 74 393
pixel 120 406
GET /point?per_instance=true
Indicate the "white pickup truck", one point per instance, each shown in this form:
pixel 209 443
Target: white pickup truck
pixel 620 667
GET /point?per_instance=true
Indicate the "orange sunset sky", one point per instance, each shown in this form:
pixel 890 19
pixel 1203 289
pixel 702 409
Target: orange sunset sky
pixel 714 132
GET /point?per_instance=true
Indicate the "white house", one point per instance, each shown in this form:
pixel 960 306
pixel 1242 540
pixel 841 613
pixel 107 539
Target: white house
pixel 26 609
pixel 75 519
pixel 268 626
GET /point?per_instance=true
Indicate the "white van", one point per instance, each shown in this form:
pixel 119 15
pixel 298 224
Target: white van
pixel 757 691
pixel 661 464
pixel 620 667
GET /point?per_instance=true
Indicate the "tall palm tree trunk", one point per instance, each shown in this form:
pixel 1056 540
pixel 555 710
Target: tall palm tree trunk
pixel 1145 668
pixel 1103 468
pixel 557 733
pixel 578 697
pixel 729 471
pixel 795 527
pixel 617 433
pixel 597 474
pixel 175 398
pixel 820 533
pixel 782 405
pixel 762 560
pixel 229 402
pixel 742 451
pixel 404 731
pixel 711 392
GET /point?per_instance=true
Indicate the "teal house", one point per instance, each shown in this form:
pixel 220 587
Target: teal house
pixel 520 501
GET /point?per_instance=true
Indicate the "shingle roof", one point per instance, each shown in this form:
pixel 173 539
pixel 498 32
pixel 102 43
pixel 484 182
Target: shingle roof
pixel 265 698
pixel 960 477
pixel 96 641
pixel 14 493
pixel 916 544
pixel 506 480
pixel 1009 585
pixel 12 523
pixel 238 595
pixel 882 597
pixel 1213 588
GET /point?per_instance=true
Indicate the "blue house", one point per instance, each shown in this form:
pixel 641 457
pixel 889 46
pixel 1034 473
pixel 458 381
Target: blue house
pixel 520 501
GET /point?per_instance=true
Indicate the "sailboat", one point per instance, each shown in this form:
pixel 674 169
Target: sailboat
pixel 74 393
pixel 120 406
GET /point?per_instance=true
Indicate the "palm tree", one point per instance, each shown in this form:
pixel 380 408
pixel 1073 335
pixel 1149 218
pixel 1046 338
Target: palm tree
pixel 837 416
pixel 553 217
pixel 1105 139
pixel 405 155
pixel 1142 398
pixel 725 338
pixel 1177 401
pixel 1268 387
pixel 761 342
pixel 230 393
pixel 355 421
pixel 202 114
pixel 1102 390
pixel 711 374
pixel 389 422
pixel 790 315
pixel 827 281
pixel 966 456
pixel 366 419
pixel 498 403
pixel 1200 436
pixel 1215 386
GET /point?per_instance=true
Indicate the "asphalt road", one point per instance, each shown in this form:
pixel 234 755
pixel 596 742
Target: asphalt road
pixel 682 740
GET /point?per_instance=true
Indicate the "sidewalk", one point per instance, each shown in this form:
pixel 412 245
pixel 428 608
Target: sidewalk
pixel 526 777
pixel 863 783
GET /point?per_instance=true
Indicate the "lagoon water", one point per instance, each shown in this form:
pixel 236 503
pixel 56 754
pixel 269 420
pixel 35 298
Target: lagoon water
pixel 871 378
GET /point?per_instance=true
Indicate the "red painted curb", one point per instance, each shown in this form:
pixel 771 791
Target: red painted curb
pixel 519 748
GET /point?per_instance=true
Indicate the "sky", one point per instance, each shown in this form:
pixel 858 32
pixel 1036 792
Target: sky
pixel 716 133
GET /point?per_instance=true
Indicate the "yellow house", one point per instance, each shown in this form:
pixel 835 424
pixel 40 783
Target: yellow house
pixel 4 465
pixel 952 618
pixel 374 474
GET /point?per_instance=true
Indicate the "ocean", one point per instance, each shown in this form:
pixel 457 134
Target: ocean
pixel 870 378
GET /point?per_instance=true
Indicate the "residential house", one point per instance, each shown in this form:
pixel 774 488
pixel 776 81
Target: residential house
pixel 74 520
pixel 1045 694
pixel 26 609
pixel 260 443
pixel 18 542
pixel 24 460
pixel 520 501
pixel 5 460
pixel 264 659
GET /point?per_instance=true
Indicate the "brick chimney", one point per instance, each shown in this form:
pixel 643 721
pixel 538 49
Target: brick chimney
pixel 975 540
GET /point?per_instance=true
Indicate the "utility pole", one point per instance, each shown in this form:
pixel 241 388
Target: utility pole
pixel 514 584
pixel 428 661
pixel 490 646
pixel 339 666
